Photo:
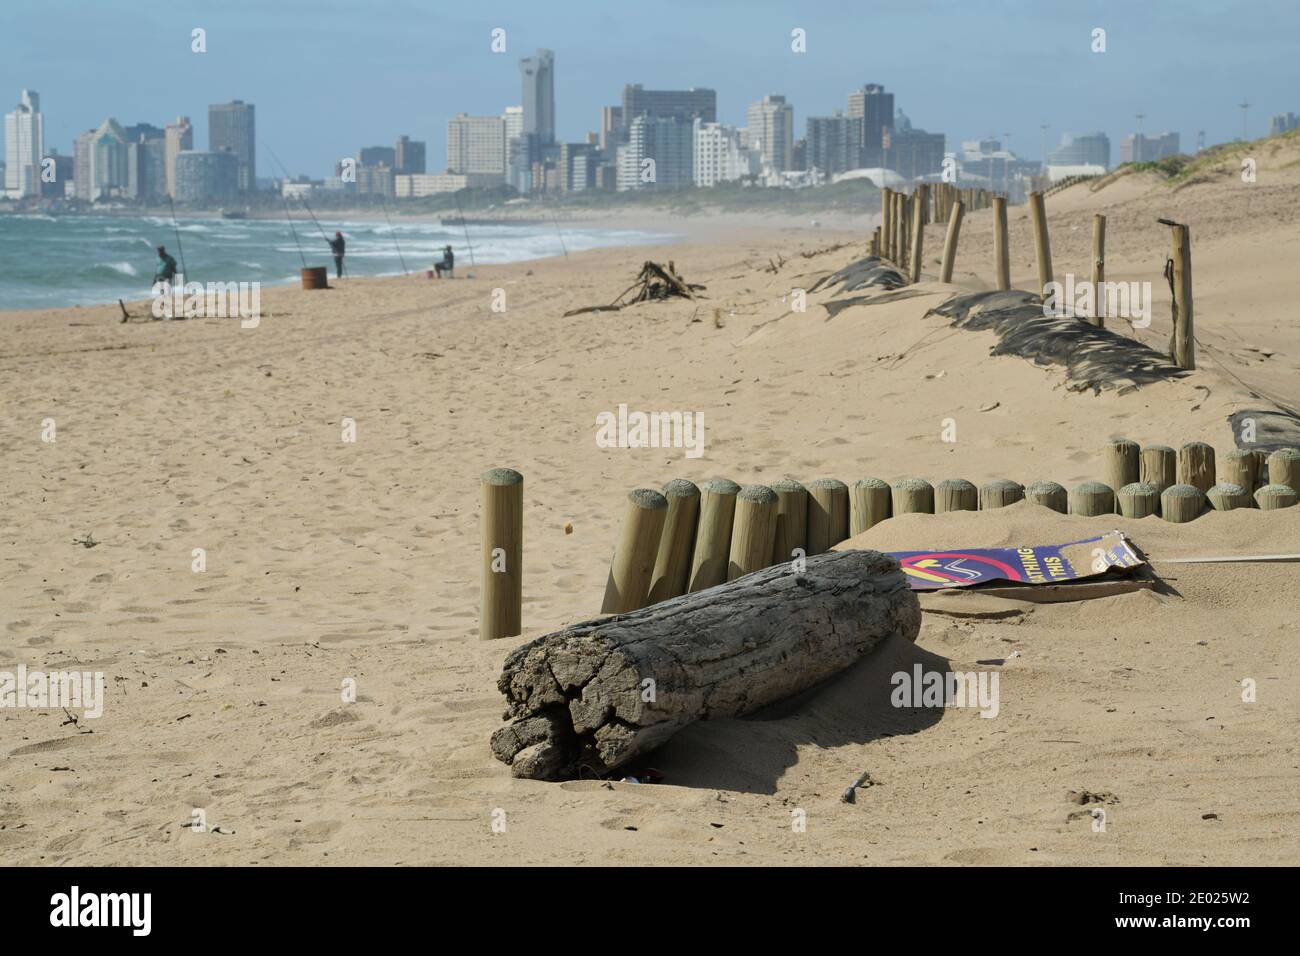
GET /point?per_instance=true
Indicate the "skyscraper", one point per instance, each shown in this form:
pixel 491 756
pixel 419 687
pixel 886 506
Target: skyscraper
pixel 232 128
pixel 687 105
pixel 409 157
pixel 109 170
pixel 771 131
pixel 539 96
pixel 875 107
pixel 24 147
pixel 660 154
pixel 476 144
pixel 1089 149
pixel 180 138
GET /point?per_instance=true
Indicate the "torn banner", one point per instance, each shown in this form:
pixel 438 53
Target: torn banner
pixel 1043 564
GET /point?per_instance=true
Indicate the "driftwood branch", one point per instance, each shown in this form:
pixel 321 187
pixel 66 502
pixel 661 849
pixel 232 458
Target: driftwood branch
pixel 597 694
pixel 655 282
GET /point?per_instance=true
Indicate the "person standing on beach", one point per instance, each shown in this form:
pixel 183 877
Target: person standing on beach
pixel 337 246
pixel 166 270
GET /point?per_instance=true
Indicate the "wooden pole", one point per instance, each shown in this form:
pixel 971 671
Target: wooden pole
pixel 1228 496
pixel 1275 497
pixel 913 496
pixel 628 587
pixel 1196 465
pixel 791 520
pixel 501 522
pixel 1001 255
pixel 1182 503
pixel 886 219
pixel 753 535
pixel 999 493
pixel 1241 467
pixel 1042 245
pixel 875 242
pixel 1122 462
pixel 1048 494
pixel 868 504
pixel 828 514
pixel 955 494
pixel 1138 500
pixel 673 560
pixel 713 537
pixel 1158 466
pixel 1098 270
pixel 918 230
pixel 1184 344
pixel 1284 468
pixel 950 242
pixel 1091 499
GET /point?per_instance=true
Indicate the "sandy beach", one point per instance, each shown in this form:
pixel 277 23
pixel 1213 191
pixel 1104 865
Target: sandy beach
pixel 330 560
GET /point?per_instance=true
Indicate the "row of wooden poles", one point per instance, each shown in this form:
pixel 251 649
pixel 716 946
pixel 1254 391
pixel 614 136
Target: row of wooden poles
pixel 900 239
pixel 686 538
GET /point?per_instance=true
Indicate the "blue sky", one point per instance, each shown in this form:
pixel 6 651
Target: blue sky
pixel 329 77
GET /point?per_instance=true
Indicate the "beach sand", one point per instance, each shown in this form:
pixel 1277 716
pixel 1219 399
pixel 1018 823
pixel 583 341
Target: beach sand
pixel 329 560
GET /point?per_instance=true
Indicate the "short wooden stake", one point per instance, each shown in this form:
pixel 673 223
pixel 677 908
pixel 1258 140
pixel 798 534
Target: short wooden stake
pixel 913 496
pixel 1228 496
pixel 1184 339
pixel 1182 503
pixel 1284 468
pixel 753 534
pixel 628 588
pixel 1158 466
pixel 1122 462
pixel 955 494
pixel 1091 499
pixel 1098 270
pixel 886 219
pixel 950 242
pixel 1001 253
pixel 1240 467
pixel 1196 465
pixel 828 514
pixel 791 520
pixel 869 504
pixel 713 535
pixel 673 560
pixel 1042 245
pixel 1138 500
pixel 1048 494
pixel 999 493
pixel 501 523
pixel 1275 497
pixel 918 231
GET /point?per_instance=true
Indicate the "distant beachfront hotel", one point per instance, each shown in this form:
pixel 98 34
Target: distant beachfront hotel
pixel 232 127
pixel 24 147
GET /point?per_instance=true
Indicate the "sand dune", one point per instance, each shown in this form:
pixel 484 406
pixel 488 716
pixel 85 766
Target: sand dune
pixel 329 560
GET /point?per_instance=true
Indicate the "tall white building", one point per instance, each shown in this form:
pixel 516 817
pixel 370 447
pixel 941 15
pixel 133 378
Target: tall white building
pixel 771 131
pixel 721 154
pixel 180 139
pixel 513 117
pixel 476 144
pixel 24 147
pixel 658 154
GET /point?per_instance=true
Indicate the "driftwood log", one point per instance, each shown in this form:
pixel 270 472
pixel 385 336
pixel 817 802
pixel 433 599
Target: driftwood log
pixel 587 699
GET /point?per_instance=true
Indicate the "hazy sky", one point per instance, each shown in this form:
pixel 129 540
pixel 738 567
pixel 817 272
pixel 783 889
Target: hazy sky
pixel 330 76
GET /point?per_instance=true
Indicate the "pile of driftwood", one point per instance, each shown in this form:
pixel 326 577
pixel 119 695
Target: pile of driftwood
pixel 655 282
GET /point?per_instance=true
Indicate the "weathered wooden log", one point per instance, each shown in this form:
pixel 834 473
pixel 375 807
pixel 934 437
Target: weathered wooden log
pixel 869 504
pixel 1284 468
pixel 1240 467
pixel 753 531
pixel 628 587
pixel 587 699
pixel 1276 497
pixel 1158 467
pixel 501 497
pixel 1122 462
pixel 1182 503
pixel 1196 465
pixel 713 534
pixel 999 493
pixel 1092 498
pixel 1226 496
pixel 955 494
pixel 1137 500
pixel 913 496
pixel 828 514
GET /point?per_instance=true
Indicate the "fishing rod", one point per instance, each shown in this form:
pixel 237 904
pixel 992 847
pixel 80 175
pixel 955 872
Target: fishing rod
pixel 394 235
pixel 560 234
pixel 284 171
pixel 293 230
pixel 464 225
pixel 177 229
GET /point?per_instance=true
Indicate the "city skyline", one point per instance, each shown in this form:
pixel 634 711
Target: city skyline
pixel 354 82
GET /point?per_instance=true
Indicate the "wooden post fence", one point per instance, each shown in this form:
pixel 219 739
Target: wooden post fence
pixel 501 522
pixel 1001 257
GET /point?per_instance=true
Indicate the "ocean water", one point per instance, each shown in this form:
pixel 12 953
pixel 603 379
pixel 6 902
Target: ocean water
pixel 57 261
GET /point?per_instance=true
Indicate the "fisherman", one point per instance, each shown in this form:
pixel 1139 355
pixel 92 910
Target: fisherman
pixel 166 270
pixel 336 246
pixel 447 264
